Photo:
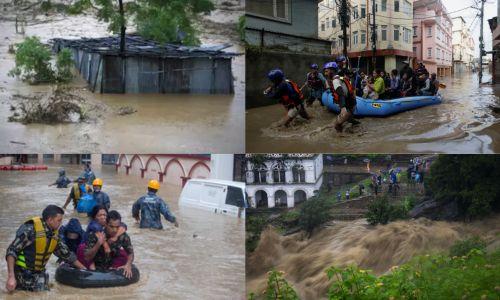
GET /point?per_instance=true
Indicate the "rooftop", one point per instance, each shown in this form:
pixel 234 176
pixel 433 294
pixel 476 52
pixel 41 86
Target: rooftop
pixel 138 46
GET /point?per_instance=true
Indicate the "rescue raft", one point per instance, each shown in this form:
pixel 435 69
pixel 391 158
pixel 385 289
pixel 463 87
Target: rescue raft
pixel 382 108
pixel 23 167
pixel 67 275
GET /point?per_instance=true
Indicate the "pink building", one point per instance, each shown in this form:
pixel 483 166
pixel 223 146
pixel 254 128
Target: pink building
pixel 432 36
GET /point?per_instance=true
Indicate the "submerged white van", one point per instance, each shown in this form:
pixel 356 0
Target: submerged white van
pixel 219 196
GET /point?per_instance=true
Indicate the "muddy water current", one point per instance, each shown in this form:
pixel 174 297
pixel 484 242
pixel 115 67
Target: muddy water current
pixel 463 123
pixel 201 259
pixel 171 123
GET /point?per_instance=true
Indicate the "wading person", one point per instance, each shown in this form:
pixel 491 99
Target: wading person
pixel 149 208
pixel 100 197
pixel 343 94
pixel 79 188
pixel 288 94
pixel 62 181
pixel 36 240
pixel 120 254
pixel 315 81
pixel 88 173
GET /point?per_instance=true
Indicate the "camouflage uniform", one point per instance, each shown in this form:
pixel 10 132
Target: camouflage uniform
pixel 103 261
pixel 31 280
pixel 150 207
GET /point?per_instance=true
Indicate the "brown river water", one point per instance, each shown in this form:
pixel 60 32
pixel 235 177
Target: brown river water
pixel 163 123
pixel 201 259
pixel 376 248
pixel 463 123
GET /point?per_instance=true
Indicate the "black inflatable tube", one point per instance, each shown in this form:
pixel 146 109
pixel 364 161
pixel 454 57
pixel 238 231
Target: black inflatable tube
pixel 68 275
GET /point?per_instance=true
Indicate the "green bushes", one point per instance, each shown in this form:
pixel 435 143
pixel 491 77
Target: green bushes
pixel 382 212
pixel 254 226
pixel 473 276
pixel 463 247
pixel 277 288
pixel 33 63
pixel 313 213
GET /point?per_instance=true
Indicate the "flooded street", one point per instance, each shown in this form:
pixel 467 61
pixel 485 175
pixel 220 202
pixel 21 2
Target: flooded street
pixel 463 123
pixel 201 259
pixel 162 122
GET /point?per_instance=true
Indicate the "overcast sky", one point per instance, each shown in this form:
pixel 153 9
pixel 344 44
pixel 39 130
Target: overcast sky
pixel 490 11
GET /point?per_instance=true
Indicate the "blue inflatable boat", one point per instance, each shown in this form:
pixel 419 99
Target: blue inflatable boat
pixel 382 108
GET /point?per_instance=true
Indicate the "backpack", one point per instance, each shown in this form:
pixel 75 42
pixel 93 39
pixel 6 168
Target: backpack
pixel 296 89
pixel 86 203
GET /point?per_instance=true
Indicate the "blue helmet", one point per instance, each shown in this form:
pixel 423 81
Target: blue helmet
pixel 314 66
pixel 330 65
pixel 340 58
pixel 275 75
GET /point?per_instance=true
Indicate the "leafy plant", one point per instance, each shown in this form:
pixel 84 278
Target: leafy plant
pixel 463 247
pixel 278 288
pixel 64 63
pixel 254 226
pixel 382 212
pixel 313 213
pixel 33 61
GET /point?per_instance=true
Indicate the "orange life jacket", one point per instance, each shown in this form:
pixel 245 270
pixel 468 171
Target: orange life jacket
pixel 286 99
pixel 350 99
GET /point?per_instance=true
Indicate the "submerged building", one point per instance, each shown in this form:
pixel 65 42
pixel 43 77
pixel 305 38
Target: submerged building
pixel 150 67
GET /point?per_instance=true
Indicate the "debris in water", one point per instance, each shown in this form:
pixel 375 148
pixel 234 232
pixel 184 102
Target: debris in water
pixel 126 110
pixel 19 143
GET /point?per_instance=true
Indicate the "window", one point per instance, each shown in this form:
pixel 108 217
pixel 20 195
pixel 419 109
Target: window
pixel 355 12
pixel 334 23
pixel 384 5
pixel 363 10
pixel 363 36
pixel 235 197
pixel 429 31
pixel 429 52
pixel 334 44
pixel 396 32
pixel 322 26
pixel 260 174
pixel 276 9
pixel 415 50
pixel 299 174
pixel 438 33
pixel 355 38
pixel 396 5
pixel 327 22
pixel 414 31
pixel 438 53
pixel 279 173
pixel 384 32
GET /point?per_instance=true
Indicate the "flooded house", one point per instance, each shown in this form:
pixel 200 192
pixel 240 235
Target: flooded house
pixel 150 67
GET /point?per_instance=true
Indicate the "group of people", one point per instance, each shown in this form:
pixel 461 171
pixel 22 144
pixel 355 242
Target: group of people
pixel 104 244
pixel 345 84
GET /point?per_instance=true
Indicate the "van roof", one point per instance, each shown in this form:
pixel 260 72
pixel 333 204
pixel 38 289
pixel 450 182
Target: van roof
pixel 220 181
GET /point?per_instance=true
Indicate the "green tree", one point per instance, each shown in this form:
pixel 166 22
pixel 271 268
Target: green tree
pixel 159 20
pixel 313 213
pixel 33 61
pixel 469 180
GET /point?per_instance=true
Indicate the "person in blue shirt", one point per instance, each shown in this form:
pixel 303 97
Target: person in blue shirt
pixel 88 173
pixel 148 208
pixel 100 197
pixel 62 181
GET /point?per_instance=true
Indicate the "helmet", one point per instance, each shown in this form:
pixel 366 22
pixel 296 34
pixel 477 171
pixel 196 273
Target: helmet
pixel 275 75
pixel 82 177
pixel 340 58
pixel 314 66
pixel 154 184
pixel 97 181
pixel 330 65
pixel 62 172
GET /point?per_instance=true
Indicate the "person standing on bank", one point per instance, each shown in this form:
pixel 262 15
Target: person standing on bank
pixel 31 249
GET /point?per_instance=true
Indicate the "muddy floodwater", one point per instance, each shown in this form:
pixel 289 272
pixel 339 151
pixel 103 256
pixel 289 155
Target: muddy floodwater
pixel 175 123
pixel 201 259
pixel 464 123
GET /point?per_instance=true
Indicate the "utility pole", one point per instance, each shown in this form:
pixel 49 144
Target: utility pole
pixel 122 28
pixel 374 37
pixel 481 43
pixel 344 23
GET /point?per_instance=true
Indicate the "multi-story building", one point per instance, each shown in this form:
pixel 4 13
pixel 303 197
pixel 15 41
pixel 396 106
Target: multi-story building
pixel 282 181
pixel 495 45
pixel 393 19
pixel 432 36
pixel 463 46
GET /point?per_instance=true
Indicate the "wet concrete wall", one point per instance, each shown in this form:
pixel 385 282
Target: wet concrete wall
pixel 258 64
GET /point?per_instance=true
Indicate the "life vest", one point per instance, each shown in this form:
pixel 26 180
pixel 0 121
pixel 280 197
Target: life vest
pixel 288 99
pixel 314 82
pixel 35 256
pixel 78 193
pixel 350 99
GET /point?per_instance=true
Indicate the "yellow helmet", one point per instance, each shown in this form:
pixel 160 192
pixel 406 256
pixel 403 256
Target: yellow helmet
pixel 154 184
pixel 97 181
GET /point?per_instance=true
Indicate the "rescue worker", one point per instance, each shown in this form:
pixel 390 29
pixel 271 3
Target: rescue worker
pixel 148 208
pixel 31 249
pixel 100 197
pixel 79 188
pixel 315 81
pixel 62 181
pixel 288 94
pixel 343 94
pixel 88 173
